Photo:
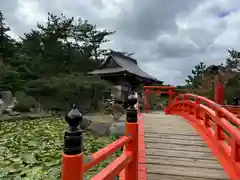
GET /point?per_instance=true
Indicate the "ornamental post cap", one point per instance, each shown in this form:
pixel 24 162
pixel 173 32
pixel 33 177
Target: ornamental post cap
pixel 74 118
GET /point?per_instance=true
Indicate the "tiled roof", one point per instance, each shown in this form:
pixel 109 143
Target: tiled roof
pixel 130 66
pixel 126 64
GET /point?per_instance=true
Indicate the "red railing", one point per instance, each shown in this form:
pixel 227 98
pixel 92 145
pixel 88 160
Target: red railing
pixel 233 109
pixel 216 124
pixel 73 166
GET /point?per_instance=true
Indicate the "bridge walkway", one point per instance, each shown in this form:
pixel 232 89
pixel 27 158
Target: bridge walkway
pixel 175 151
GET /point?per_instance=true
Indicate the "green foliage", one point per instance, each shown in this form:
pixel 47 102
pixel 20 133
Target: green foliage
pixel 202 80
pixel 7 45
pixel 32 149
pixel 232 88
pixel 48 66
pixel 50 62
pixel 156 100
pixel 233 62
pixel 25 102
pixel 10 80
pixel 195 79
pixel 67 89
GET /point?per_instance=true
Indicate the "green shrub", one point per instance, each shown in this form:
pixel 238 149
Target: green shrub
pixel 25 102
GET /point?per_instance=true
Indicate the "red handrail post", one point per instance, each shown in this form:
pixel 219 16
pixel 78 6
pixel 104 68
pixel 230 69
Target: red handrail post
pixel 72 157
pixel 131 172
pixel 197 101
pixel 72 167
pixel 185 98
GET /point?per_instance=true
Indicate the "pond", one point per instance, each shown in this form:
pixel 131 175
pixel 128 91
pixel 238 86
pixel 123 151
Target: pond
pixel 31 150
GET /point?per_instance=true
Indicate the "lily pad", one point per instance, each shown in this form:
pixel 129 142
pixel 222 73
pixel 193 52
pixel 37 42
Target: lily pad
pixel 31 150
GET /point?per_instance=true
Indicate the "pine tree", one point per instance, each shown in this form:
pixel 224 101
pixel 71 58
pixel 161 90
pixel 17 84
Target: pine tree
pixel 6 43
pixel 195 79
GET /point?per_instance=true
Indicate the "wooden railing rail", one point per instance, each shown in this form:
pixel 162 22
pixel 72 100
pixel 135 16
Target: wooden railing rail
pixel 73 165
pixel 217 124
pixel 233 109
pixel 105 152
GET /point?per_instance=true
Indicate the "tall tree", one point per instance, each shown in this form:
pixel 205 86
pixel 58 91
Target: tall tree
pixel 6 43
pixel 50 61
pixel 233 62
pixel 93 38
pixel 194 80
pixel 233 68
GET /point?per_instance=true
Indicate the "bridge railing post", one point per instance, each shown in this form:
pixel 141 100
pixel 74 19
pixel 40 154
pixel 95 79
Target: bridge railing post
pixel 147 92
pixel 72 157
pixel 217 127
pixel 185 98
pixel 131 172
pixel 197 109
pixel 170 95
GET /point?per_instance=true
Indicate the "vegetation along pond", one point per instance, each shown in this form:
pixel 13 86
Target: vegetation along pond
pixel 31 150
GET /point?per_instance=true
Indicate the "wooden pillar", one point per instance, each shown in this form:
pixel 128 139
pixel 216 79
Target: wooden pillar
pixel 218 90
pixel 72 157
pixel 215 89
pixel 170 93
pixel 158 92
pixel 131 171
pixel 147 92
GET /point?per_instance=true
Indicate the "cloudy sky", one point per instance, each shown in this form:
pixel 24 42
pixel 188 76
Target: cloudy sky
pixel 168 36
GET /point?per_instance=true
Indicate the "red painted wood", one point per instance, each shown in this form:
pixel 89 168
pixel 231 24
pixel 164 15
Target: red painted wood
pixel 166 90
pixel 131 170
pixel 218 91
pixel 72 167
pixel 105 152
pixel 142 175
pixel 147 92
pixel 222 120
pixel 128 165
pixel 115 167
pixel 159 87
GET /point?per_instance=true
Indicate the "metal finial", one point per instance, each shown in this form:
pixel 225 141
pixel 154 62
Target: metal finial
pixel 131 110
pixel 132 100
pixel 73 138
pixel 74 118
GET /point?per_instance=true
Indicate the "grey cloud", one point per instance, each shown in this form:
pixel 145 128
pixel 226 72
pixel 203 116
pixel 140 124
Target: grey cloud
pixel 148 18
pixel 169 46
pixel 168 37
pixel 9 9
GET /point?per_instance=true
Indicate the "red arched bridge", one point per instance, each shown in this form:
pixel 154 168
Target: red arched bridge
pixel 194 139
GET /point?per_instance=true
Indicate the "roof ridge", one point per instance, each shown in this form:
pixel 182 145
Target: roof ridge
pixel 114 53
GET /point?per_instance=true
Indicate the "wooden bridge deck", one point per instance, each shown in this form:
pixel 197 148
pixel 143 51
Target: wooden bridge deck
pixel 175 151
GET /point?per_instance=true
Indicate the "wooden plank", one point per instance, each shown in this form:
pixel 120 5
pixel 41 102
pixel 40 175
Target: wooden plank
pixel 148 131
pixel 170 134
pixel 175 151
pixel 174 136
pixel 184 154
pixel 151 145
pixel 175 141
pixel 184 162
pixel 186 171
pixel 172 143
pixel 151 176
pixel 187 138
pixel 166 130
